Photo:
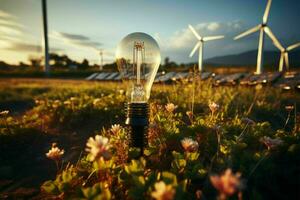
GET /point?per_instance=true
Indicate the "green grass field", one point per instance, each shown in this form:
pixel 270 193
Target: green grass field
pixel 68 112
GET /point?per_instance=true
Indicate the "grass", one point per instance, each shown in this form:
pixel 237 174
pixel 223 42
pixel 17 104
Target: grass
pixel 68 112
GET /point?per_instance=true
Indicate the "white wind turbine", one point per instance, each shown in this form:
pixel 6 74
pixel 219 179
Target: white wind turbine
pixel 284 54
pixel 200 44
pixel 263 28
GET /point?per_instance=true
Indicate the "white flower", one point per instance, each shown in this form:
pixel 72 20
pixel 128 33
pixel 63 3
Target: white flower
pixel 213 107
pixel 4 112
pixel 170 107
pixel 189 145
pixel 98 148
pixel 271 143
pixel 228 183
pixel 163 191
pixel 55 153
pixel 115 128
pixel 289 108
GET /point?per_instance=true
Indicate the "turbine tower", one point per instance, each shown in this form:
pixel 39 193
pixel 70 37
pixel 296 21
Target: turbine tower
pixel 200 45
pixel 101 60
pixel 45 28
pixel 284 54
pixel 262 28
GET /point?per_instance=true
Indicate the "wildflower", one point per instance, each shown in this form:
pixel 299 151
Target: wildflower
pixel 115 128
pixel 67 102
pixel 170 107
pixel 248 121
pixel 227 184
pixel 56 103
pixel 55 153
pixel 271 143
pixel 163 191
pixel 73 99
pixel 189 114
pixel 98 148
pixel 96 101
pixel 189 145
pixel 213 107
pixel 289 108
pixel 4 113
pixel 122 92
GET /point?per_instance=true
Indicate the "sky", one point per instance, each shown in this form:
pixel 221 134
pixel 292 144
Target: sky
pixel 80 28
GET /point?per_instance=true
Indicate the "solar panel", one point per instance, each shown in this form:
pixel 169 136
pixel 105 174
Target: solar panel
pixel 180 75
pixel 112 76
pixel 102 76
pixel 166 77
pixel 92 76
pixel 118 77
pixel 205 75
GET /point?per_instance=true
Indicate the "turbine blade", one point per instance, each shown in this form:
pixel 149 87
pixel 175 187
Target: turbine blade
pixel 266 14
pixel 273 38
pixel 294 46
pixel 195 32
pixel 248 32
pixel 286 58
pixel 213 38
pixel 195 49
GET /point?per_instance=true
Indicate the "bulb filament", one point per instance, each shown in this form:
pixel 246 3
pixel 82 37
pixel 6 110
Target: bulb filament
pixel 138 59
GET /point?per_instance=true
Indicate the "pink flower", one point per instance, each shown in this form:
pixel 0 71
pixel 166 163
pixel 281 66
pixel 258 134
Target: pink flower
pixel 271 143
pixel 98 148
pixel 227 184
pixel 170 107
pixel 163 191
pixel 55 153
pixel 213 107
pixel 189 145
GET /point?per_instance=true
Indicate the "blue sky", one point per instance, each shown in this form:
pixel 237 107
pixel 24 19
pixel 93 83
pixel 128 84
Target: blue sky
pixel 79 28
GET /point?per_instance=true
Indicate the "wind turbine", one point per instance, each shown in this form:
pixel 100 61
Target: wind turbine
pixel 262 28
pixel 200 45
pixel 284 54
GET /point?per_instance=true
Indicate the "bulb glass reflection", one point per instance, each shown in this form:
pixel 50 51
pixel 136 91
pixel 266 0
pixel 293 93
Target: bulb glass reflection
pixel 138 59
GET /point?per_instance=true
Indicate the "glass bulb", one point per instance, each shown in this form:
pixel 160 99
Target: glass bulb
pixel 138 59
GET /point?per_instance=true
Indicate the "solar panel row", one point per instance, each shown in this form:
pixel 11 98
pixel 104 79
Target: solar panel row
pixel 288 80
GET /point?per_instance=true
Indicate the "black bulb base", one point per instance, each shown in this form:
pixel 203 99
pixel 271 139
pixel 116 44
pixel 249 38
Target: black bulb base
pixel 137 117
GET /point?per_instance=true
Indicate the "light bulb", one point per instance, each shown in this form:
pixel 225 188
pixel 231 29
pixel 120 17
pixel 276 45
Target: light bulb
pixel 138 59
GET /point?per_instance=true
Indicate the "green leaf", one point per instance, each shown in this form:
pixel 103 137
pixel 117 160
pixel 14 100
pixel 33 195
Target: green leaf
pixel 50 187
pixel 169 178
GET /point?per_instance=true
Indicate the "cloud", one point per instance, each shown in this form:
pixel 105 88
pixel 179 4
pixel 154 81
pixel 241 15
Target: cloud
pixel 73 36
pixel 8 25
pixel 6 15
pixel 76 40
pixel 25 47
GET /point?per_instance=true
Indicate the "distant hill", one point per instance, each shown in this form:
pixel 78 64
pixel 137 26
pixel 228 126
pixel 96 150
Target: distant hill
pixel 271 58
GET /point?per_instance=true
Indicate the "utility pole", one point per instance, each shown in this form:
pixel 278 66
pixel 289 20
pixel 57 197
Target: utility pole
pixel 46 44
